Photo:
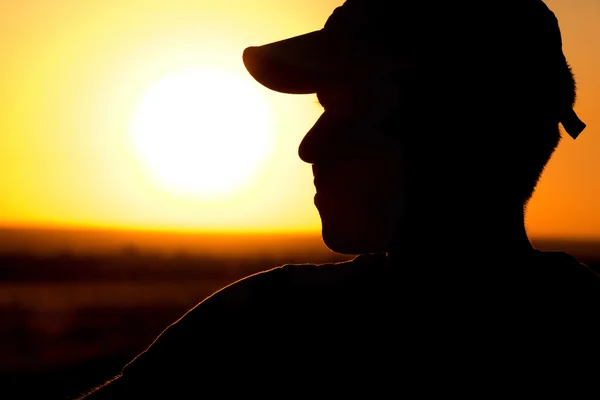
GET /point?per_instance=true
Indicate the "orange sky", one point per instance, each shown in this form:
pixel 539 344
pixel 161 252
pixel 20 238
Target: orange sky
pixel 73 74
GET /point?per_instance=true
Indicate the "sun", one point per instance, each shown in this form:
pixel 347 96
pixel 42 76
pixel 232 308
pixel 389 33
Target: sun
pixel 202 133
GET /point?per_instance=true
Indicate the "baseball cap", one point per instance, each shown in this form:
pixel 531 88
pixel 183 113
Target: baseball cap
pixel 373 37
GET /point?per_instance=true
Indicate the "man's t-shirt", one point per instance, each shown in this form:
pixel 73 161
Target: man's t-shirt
pixel 338 328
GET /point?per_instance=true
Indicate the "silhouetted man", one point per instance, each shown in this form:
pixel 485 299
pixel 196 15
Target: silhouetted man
pixel 438 120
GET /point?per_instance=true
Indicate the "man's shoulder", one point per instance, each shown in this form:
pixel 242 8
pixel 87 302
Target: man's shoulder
pixel 330 275
pixel 243 312
pixel 560 268
pixel 275 287
pixel 292 278
pixel 551 286
pixel 283 286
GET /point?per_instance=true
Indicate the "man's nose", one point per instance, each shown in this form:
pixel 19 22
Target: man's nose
pixel 322 141
pixel 307 151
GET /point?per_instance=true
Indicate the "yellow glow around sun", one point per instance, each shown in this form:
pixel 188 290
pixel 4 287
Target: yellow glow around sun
pixel 202 133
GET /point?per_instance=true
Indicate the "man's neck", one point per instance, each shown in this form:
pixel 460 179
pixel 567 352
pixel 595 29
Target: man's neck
pixel 464 241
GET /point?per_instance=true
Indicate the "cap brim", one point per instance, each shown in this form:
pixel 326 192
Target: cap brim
pixel 294 65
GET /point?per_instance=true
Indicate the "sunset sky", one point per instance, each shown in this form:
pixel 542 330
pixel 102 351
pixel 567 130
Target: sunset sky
pixel 82 143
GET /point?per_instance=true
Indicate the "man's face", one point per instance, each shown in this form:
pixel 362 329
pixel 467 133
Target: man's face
pixel 356 154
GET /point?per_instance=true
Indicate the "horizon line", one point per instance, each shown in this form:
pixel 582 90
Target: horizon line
pixel 227 232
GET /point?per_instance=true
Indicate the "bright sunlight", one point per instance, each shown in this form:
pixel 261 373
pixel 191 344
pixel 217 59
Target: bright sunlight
pixel 202 133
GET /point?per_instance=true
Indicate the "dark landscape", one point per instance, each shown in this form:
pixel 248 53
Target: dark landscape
pixel 76 305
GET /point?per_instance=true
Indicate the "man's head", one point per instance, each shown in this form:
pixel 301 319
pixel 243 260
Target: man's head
pixel 430 112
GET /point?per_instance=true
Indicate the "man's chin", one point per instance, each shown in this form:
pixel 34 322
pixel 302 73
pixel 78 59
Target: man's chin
pixel 345 242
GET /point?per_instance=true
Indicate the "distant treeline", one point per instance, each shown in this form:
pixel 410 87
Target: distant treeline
pixel 132 264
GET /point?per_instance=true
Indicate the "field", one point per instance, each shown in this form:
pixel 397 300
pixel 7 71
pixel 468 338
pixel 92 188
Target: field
pixel 72 318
